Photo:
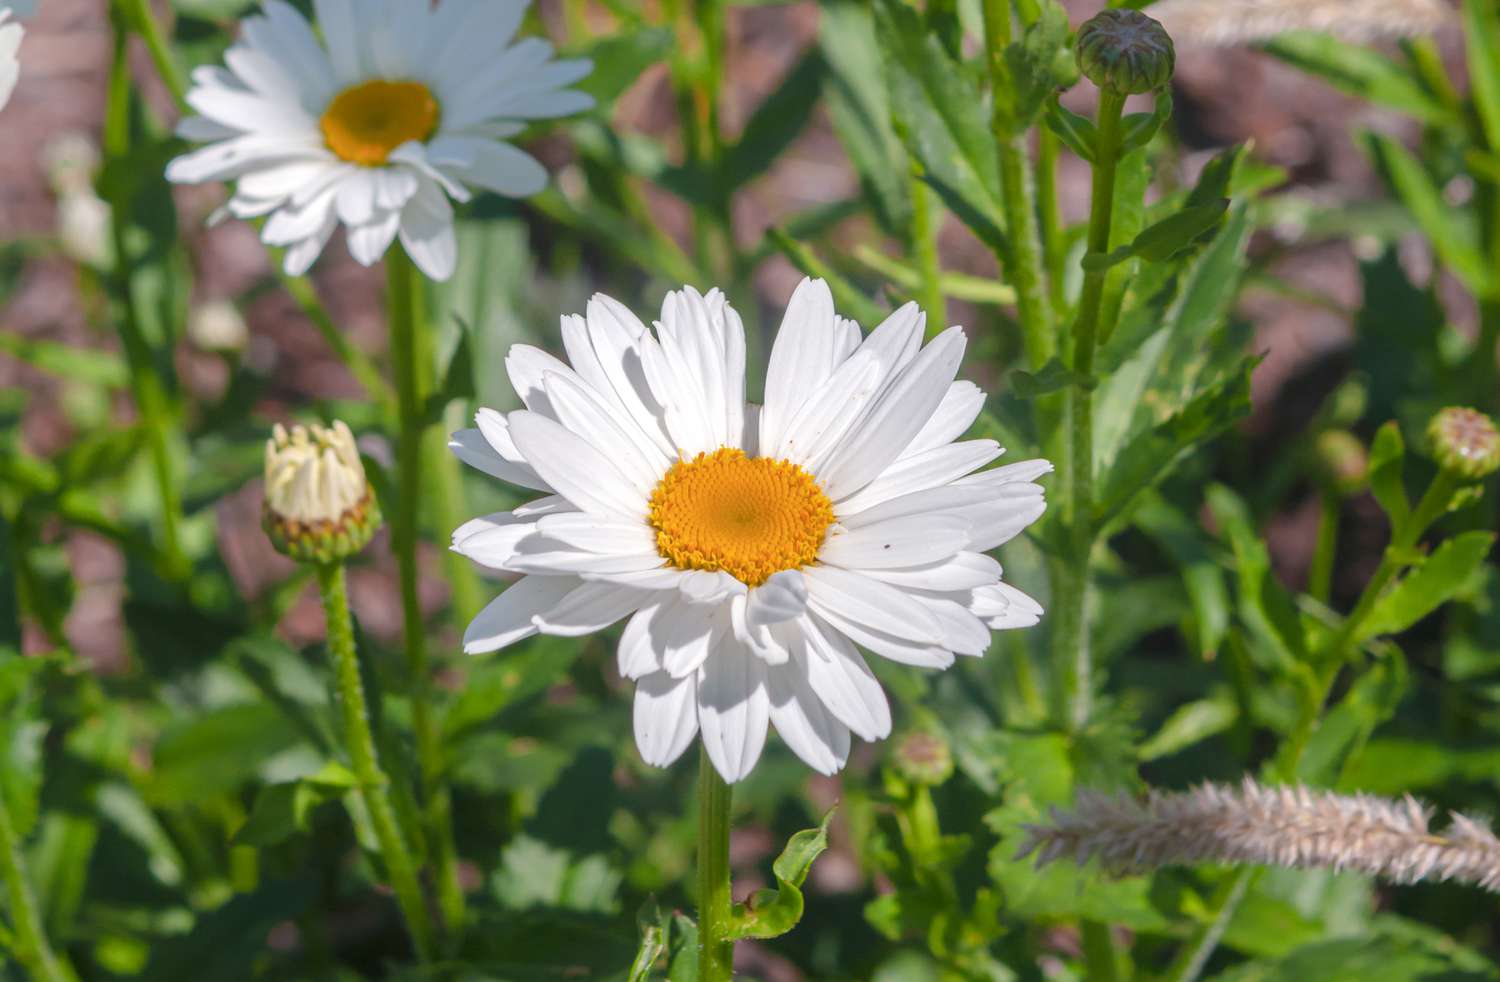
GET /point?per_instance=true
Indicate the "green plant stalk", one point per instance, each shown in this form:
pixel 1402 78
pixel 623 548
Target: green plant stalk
pixel 715 951
pixel 1194 956
pixel 1320 576
pixel 147 387
pixel 1023 258
pixel 145 23
pixel 29 940
pixel 359 364
pixel 411 360
pixel 1071 634
pixel 925 245
pixel 1100 959
pixel 1054 241
pixel 360 743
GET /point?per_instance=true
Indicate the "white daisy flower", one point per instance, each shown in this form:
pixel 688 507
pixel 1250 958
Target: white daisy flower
pixel 401 106
pixel 10 48
pixel 755 550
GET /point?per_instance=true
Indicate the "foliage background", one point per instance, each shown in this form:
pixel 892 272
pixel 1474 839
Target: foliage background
pixel 152 715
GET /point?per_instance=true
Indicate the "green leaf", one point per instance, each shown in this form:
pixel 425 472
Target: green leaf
pixel 1078 133
pixel 1148 458
pixel 777 121
pixel 1265 605
pixel 683 965
pixel 859 105
pixel 1166 238
pixel 1140 128
pixel 282 810
pixel 1441 577
pixel 620 59
pixel 1188 725
pixel 656 932
pixel 1453 232
pixel 1387 456
pixel 1184 540
pixel 458 377
pixel 535 874
pixel 1039 64
pixel 848 297
pixel 1482 43
pixel 1052 377
pixel 941 117
pixel 772 913
pixel 1360 71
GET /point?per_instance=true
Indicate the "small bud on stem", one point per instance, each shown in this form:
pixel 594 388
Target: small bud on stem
pixel 1465 443
pixel 319 506
pixel 1125 51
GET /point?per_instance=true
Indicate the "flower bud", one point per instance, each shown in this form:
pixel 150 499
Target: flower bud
pixel 218 326
pixel 1126 51
pixel 1344 463
pixel 923 757
pixel 319 506
pixel 1465 443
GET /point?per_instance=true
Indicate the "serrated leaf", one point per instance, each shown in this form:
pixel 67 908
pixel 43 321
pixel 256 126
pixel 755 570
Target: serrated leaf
pixel 772 913
pixel 1437 580
pixel 1038 64
pixel 1387 456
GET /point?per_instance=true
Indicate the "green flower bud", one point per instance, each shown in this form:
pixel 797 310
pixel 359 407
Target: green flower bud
pixel 319 506
pixel 923 757
pixel 1126 51
pixel 1465 443
pixel 1343 460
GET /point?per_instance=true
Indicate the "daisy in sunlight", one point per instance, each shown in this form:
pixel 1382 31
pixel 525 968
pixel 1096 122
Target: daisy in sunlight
pixel 754 549
pixel 398 108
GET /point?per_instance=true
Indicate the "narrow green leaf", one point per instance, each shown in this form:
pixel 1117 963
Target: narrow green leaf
pixel 1172 235
pixel 1053 377
pixel 777 121
pixel 656 933
pixel 620 59
pixel 1440 578
pixel 1189 725
pixel 1078 132
pixel 1265 605
pixel 1360 71
pixel 1453 233
pixel 846 295
pixel 1039 64
pixel 1140 128
pixel 772 913
pixel 1482 43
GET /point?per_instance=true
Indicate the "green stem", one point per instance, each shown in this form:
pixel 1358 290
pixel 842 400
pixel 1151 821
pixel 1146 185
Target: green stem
pixel 411 360
pixel 360 744
pixel 1189 963
pixel 1320 576
pixel 1023 254
pixel 1054 243
pixel 924 242
pixel 146 26
pixel 715 952
pixel 1071 636
pixel 359 364
pixel 1101 962
pixel 29 941
pixel 147 385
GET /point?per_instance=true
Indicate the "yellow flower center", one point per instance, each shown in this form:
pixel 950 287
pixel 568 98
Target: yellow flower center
pixel 747 517
pixel 364 123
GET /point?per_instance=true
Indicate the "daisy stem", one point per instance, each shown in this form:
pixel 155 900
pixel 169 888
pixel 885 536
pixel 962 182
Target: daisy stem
pixel 924 240
pixel 715 953
pixel 29 942
pixel 359 742
pixel 1022 257
pixel 411 359
pixel 1071 645
pixel 138 14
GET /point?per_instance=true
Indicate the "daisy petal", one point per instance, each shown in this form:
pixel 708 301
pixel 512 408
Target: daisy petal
pixel 733 709
pixel 508 618
pixel 666 717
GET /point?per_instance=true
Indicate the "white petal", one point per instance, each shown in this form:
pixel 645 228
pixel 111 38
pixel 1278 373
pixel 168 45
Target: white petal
pixel 838 673
pixel 963 632
pixel 781 598
pixel 591 533
pixel 427 232
pixel 964 571
pixel 802 358
pixel 575 468
pixel 961 405
pixel 537 553
pixel 588 608
pixel 703 587
pixel 638 653
pixel 895 417
pixel 508 618
pixel 1003 606
pixel 666 717
pixel 491 541
pixel 910 541
pixel 851 596
pixel 804 722
pixel 687 634
pixel 733 709
pixel 472 448
pixel 489 164
pixel 827 415
pixel 1021 472
pixel 918 472
pixel 898 649
pixel 581 409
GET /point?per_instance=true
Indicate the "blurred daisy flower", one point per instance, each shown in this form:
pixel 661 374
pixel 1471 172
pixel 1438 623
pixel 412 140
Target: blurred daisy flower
pixel 754 550
pixel 400 107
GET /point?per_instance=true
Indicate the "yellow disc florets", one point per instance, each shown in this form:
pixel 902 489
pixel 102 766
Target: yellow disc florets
pixel 748 517
pixel 365 122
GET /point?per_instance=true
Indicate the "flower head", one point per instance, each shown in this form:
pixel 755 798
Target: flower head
pixel 753 549
pixel 400 107
pixel 10 46
pixel 1465 442
pixel 1126 51
pixel 319 507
